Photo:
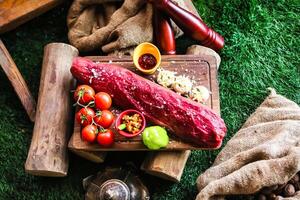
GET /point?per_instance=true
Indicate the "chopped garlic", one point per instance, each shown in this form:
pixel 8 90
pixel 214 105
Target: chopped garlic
pixel 200 94
pixel 165 78
pixel 182 85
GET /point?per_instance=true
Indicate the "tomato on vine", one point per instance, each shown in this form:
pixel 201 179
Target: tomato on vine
pixel 89 133
pixel 104 118
pixel 102 101
pixel 84 94
pixel 85 116
pixel 105 138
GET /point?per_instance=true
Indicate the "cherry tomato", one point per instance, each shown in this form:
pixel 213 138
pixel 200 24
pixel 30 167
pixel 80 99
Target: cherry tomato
pixel 85 116
pixel 102 101
pixel 105 138
pixel 84 94
pixel 104 118
pixel 89 133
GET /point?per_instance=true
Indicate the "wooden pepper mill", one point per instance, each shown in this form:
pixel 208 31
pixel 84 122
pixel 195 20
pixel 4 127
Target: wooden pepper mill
pixel 164 35
pixel 191 25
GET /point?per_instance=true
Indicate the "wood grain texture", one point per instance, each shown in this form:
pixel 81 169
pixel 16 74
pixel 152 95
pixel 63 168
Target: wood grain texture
pixel 94 156
pixel 47 155
pixel 168 165
pixel 16 12
pixel 14 76
pixel 202 69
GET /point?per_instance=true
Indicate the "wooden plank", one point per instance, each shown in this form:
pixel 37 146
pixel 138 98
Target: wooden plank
pixel 10 69
pixel 16 12
pixel 48 155
pixel 202 69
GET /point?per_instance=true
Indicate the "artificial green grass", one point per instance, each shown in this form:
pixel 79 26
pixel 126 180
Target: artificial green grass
pixel 262 50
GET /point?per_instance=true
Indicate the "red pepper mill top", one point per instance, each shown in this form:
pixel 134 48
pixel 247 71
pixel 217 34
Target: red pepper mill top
pixel 164 35
pixel 190 24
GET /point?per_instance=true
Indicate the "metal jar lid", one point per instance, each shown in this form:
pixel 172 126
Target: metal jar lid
pixel 114 189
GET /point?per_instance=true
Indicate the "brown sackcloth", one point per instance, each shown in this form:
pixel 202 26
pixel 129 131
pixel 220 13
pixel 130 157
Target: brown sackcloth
pixel 114 26
pixel 132 32
pixel 84 16
pixel 263 153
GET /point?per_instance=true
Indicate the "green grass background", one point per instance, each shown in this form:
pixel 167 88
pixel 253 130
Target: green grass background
pixel 262 50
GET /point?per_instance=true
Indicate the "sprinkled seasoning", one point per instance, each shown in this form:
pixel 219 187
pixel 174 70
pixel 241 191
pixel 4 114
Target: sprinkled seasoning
pixel 200 94
pixel 165 77
pixel 182 85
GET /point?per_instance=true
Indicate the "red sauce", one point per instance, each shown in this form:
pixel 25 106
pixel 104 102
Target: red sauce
pixel 147 61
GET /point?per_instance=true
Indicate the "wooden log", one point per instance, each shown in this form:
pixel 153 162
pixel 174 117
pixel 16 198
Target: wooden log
pixel 47 155
pixel 168 165
pixel 14 76
pixel 97 157
pixel 16 12
pixel 202 50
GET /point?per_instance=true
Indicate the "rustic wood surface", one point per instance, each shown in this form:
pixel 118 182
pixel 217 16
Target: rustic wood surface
pixel 168 165
pixel 94 156
pixel 47 155
pixel 14 76
pixel 16 12
pixel 202 69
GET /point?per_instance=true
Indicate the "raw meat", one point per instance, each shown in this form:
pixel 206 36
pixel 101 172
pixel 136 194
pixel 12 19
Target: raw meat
pixel 190 121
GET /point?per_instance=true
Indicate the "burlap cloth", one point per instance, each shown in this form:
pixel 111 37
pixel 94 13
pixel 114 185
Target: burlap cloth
pixel 263 153
pixel 114 26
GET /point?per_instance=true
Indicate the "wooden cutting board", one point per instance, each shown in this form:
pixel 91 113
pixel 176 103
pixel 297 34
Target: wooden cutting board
pixel 16 12
pixel 201 69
